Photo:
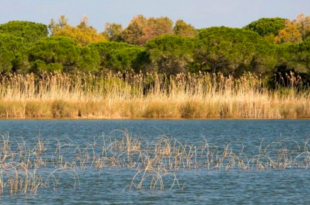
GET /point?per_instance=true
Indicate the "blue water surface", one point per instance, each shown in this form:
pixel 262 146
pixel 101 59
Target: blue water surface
pixel 199 186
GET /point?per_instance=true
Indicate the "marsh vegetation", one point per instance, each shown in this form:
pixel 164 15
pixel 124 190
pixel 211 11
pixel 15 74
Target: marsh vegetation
pixel 27 166
pixel 115 96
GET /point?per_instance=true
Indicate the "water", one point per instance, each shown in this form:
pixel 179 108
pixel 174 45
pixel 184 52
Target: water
pixel 199 186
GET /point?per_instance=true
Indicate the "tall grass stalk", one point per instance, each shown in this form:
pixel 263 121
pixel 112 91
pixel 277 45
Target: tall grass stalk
pixel 200 95
pixel 27 166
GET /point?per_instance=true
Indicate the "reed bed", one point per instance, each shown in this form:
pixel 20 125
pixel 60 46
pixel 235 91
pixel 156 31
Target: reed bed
pixel 112 96
pixel 27 166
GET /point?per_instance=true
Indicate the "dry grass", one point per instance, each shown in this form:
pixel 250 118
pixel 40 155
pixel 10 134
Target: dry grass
pixel 26 167
pixel 150 96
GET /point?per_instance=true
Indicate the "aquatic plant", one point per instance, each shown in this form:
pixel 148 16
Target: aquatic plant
pixel 28 166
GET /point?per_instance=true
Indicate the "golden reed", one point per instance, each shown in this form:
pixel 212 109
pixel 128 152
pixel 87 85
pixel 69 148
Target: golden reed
pixel 115 96
pixel 28 166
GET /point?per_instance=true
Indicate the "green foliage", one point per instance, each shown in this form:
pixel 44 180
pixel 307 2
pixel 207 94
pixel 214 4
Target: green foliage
pixel 294 57
pixel 125 59
pixel 171 54
pixel 293 64
pixel 12 57
pixel 89 59
pixel 6 59
pixel 24 47
pixel 55 51
pixel 30 31
pixel 266 26
pixel 304 54
pixel 120 56
pixel 40 65
pixel 233 51
pixel 286 53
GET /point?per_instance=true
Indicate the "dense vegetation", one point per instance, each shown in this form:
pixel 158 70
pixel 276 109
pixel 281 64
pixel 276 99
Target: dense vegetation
pixel 268 47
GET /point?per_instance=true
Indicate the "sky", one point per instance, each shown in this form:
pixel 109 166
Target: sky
pixel 199 13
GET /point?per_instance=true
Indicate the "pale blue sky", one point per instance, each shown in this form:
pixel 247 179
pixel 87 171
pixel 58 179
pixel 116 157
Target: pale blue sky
pixel 200 13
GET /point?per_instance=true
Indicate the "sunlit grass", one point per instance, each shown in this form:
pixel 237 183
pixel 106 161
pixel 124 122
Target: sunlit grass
pixel 150 96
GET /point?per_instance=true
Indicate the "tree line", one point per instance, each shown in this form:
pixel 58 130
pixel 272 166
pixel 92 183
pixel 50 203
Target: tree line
pixel 266 47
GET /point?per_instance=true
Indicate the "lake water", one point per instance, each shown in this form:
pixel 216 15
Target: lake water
pixel 196 186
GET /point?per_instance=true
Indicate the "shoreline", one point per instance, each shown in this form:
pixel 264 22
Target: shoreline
pixel 151 119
